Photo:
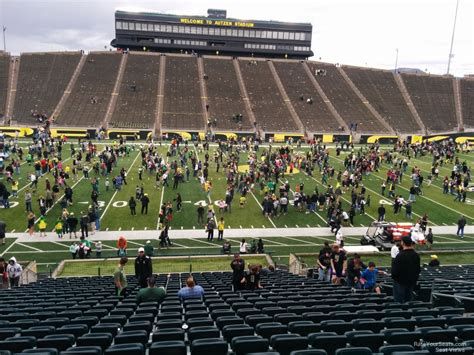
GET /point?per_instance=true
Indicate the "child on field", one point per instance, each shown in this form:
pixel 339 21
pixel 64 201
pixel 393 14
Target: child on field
pixel 42 226
pixel 59 228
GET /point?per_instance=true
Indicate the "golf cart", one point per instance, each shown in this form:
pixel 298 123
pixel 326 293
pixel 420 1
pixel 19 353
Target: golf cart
pixel 383 234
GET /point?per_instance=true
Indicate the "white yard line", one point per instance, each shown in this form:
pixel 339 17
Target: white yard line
pixel 60 198
pixel 272 241
pixel 161 199
pixel 376 193
pixel 9 247
pixel 135 243
pixel 27 246
pixel 181 245
pixel 202 241
pixel 261 208
pixel 300 241
pixel 116 191
pixel 29 182
pixel 316 213
pixel 209 197
pixel 421 196
pixel 65 246
pixel 345 199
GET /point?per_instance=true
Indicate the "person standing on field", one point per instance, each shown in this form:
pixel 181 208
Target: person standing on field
pixel 220 229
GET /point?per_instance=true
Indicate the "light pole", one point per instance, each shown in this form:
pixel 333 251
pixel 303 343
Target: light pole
pixel 4 41
pixel 396 60
pixel 452 37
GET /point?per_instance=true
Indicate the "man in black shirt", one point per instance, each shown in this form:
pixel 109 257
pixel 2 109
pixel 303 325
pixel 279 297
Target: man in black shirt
pixel 324 263
pixel 84 224
pixel 405 272
pixel 238 266
pixel 381 212
pixel 143 268
pixel 145 201
pixel 72 224
pixel 338 264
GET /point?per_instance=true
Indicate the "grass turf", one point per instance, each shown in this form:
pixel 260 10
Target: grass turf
pixel 167 265
pixel 115 214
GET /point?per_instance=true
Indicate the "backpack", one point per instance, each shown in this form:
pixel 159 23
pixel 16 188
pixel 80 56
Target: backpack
pixel 81 252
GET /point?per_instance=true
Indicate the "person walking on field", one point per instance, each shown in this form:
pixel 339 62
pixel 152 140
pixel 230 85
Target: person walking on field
pixel 31 223
pixel 200 212
pixel 461 224
pixel 132 203
pixel 145 201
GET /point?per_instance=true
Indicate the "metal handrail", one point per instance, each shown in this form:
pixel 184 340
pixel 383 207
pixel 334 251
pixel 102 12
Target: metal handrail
pixel 455 281
pixel 433 293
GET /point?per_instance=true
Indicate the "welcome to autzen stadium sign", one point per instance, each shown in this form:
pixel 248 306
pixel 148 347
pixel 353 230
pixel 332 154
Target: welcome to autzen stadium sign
pixel 198 21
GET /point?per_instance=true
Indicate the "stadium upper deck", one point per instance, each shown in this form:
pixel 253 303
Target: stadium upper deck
pixel 215 34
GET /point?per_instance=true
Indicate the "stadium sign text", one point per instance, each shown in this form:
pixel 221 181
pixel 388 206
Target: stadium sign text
pixel 198 21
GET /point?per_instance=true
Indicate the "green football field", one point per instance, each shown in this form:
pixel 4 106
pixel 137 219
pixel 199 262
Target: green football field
pixel 115 214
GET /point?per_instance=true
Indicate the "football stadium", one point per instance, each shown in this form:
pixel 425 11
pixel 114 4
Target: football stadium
pixel 206 185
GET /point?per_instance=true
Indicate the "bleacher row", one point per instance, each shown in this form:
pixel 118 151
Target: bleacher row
pixel 291 314
pixel 43 78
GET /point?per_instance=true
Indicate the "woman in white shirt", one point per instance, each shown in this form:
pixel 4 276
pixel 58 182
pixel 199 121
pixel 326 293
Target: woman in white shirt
pixel 243 247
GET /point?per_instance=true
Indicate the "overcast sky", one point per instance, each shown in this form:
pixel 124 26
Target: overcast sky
pixel 365 32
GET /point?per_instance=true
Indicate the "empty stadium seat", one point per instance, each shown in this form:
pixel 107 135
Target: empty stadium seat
pixel 58 341
pixel 209 346
pixel 18 344
pixel 103 340
pixel 248 344
pixel 168 334
pixel 134 336
pixel 286 343
pixel 233 330
pixel 171 347
pixel 354 351
pixel 42 351
pixel 83 350
pixel 327 341
pixel 203 332
pixel 126 349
